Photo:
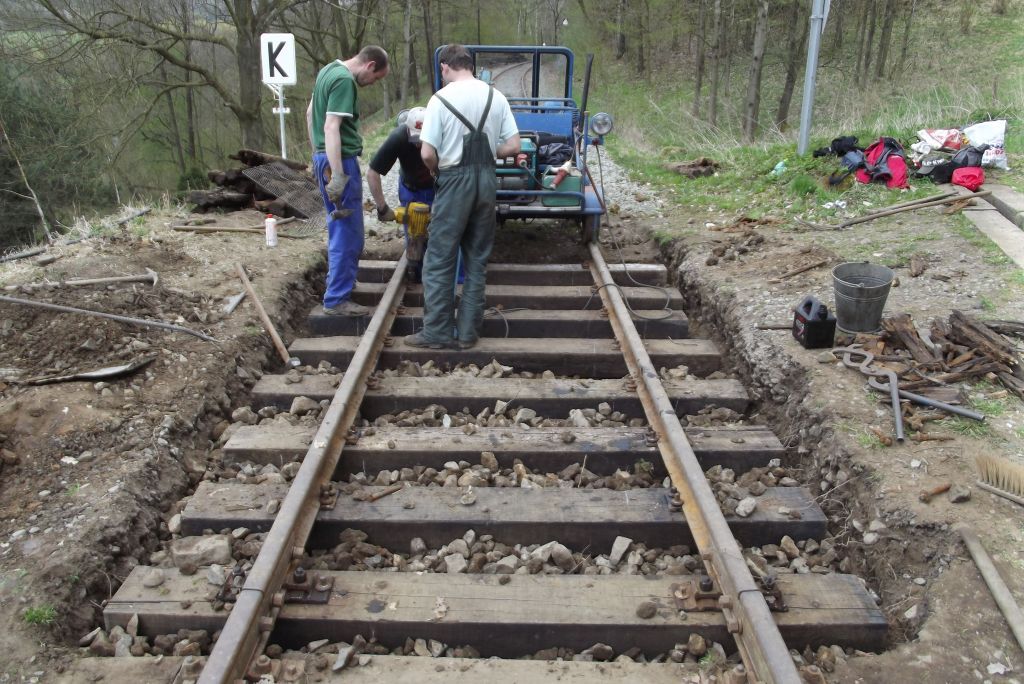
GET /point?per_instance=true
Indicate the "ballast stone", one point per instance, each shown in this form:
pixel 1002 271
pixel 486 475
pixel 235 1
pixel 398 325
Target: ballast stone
pixel 201 550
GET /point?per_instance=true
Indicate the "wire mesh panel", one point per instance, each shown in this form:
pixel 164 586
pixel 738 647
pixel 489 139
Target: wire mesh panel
pixel 298 191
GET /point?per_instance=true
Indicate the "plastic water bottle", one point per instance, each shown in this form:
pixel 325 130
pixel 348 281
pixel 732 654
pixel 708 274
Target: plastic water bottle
pixel 779 169
pixel 270 224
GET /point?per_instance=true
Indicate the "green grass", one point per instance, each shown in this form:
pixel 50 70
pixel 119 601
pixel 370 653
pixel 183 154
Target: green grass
pixel 967 427
pixel 869 440
pixel 44 614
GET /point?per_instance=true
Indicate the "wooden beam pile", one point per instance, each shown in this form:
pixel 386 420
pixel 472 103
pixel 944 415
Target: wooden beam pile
pixel 234 191
pixel 962 348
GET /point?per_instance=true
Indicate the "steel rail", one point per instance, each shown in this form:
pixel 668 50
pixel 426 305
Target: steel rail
pixel 747 615
pixel 254 612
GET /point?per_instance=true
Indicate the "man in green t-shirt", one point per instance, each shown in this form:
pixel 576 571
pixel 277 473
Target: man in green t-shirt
pixel 333 121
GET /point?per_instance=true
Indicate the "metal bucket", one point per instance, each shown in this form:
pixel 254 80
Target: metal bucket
pixel 861 290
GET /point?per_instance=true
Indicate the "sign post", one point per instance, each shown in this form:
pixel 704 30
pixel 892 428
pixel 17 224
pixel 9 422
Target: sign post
pixel 277 65
pixel 819 14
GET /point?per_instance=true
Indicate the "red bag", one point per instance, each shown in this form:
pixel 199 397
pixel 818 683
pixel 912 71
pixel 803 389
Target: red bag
pixel 970 177
pixel 884 162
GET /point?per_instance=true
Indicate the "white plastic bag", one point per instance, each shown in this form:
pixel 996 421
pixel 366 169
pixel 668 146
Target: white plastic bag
pixel 987 132
pixel 991 133
pixel 995 157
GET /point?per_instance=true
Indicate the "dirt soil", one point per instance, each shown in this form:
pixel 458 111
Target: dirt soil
pixel 91 468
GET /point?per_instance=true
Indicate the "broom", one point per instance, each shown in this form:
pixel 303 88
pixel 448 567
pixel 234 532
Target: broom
pixel 1001 477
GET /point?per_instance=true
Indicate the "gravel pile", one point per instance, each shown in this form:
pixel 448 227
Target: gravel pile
pixel 489 474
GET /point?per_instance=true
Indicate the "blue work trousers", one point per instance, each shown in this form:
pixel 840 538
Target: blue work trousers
pixel 344 235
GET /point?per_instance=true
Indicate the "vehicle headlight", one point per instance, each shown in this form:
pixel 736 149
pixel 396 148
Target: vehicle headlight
pixel 402 116
pixel 601 123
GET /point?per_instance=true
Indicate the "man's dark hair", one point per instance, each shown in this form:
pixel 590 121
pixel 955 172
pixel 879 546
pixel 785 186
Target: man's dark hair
pixel 456 56
pixel 375 54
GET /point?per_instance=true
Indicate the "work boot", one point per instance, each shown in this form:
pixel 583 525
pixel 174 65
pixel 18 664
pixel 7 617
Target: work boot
pixel 418 340
pixel 465 344
pixel 347 308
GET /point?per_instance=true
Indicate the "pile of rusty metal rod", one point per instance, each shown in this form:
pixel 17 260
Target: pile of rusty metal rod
pixel 925 369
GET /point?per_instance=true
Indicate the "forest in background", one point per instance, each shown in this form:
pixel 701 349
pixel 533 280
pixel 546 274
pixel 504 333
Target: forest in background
pixel 102 101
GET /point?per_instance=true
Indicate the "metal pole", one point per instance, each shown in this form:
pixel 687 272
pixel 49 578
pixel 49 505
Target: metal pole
pixel 806 109
pixel 280 110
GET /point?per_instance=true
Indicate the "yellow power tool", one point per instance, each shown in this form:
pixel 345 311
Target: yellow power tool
pixel 415 217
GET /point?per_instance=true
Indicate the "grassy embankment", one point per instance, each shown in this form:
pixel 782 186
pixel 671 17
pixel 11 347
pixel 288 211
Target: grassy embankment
pixel 972 78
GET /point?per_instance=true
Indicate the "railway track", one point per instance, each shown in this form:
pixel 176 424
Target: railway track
pixel 444 513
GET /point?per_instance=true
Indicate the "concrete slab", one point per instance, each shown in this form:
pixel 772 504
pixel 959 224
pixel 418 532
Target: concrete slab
pixel 1006 235
pixel 1008 202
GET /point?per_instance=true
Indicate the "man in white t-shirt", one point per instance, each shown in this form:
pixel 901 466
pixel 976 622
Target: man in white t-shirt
pixel 467 125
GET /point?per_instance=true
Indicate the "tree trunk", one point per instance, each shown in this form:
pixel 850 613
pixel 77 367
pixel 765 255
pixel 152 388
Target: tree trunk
pixel 795 46
pixel 715 59
pixel 190 96
pixel 643 20
pixel 247 59
pixel 883 41
pixel 382 35
pixel 906 41
pixel 869 41
pixel 620 33
pixel 839 13
pixel 701 43
pixel 862 30
pixel 407 64
pixel 429 44
pixel 172 123
pixel 726 47
pixel 752 106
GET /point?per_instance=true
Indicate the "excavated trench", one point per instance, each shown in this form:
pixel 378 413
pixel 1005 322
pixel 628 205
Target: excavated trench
pixel 819 458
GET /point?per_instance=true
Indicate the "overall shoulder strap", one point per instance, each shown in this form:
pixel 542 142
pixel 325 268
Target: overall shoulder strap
pixel 457 113
pixel 487 108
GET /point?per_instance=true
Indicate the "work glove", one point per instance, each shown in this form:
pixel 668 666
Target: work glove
pixel 385 214
pixel 336 187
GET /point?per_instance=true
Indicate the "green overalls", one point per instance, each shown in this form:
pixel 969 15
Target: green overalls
pixel 463 215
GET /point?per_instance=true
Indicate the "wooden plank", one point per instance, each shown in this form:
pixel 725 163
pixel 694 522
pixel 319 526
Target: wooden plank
pixel 537 274
pixel 530 323
pixel 586 357
pixel 579 518
pixel 549 398
pixel 526 614
pixel 541 449
pixel 402 670
pixel 536 296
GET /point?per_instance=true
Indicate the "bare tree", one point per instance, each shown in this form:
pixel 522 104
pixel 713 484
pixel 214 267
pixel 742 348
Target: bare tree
pixel 906 40
pixel 713 53
pixel 620 31
pixel 796 43
pixel 883 42
pixel 701 49
pixel 752 104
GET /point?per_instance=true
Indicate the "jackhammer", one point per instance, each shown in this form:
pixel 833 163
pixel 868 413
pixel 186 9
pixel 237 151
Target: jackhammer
pixel 415 217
